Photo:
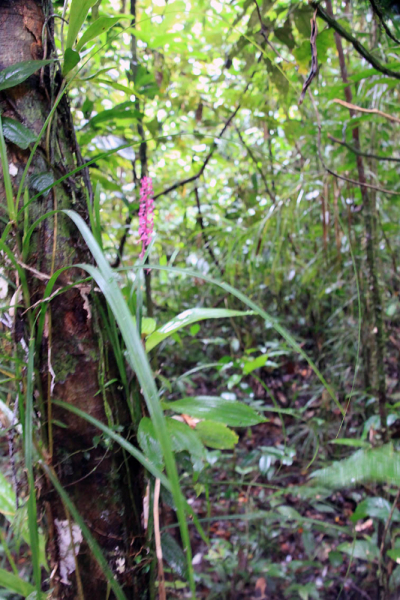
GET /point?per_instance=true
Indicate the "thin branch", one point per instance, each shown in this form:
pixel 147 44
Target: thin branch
pixel 265 33
pixel 361 184
pixel 376 9
pixel 374 111
pixel 355 43
pixel 359 153
pixel 214 146
pixel 203 232
pixel 259 169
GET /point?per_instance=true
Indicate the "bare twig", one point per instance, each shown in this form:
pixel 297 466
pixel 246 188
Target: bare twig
pixel 265 33
pixel 360 183
pixel 374 111
pixel 203 232
pixel 255 161
pixel 203 167
pixel 359 153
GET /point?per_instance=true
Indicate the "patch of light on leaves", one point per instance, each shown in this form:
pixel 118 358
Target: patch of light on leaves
pixel 197 29
pixel 68 548
pixel 217 6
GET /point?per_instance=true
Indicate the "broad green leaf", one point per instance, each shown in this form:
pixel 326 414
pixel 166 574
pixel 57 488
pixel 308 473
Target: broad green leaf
pixel 216 435
pixel 173 554
pixel 183 438
pixel 379 508
pixel 289 512
pixel 187 318
pixel 361 549
pixel 147 325
pixel 17 133
pixel 15 584
pixel 77 15
pixel 41 182
pixel 71 59
pixel 379 465
pixel 18 73
pixel 260 361
pixel 394 554
pixel 214 408
pixel 100 25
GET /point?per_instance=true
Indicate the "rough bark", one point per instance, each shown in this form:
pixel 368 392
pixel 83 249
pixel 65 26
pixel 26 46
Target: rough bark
pixel 105 488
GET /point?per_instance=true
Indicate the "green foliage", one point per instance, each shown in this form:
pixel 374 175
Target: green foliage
pixel 17 133
pixel 229 412
pixel 100 25
pixel 18 73
pixel 378 465
pixel 192 315
pixel 77 15
pixel 256 213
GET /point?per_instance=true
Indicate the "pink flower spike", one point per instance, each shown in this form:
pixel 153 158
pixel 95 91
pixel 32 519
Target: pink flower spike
pixel 146 212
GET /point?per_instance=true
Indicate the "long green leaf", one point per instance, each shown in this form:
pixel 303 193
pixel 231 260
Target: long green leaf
pixel 18 73
pixel 77 15
pixel 100 25
pixel 28 449
pixel 6 175
pixel 15 584
pixel 7 498
pixel 193 315
pixel 268 318
pixel 106 280
pixel 17 133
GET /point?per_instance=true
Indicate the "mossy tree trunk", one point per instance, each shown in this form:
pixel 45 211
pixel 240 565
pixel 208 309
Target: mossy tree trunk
pixel 73 357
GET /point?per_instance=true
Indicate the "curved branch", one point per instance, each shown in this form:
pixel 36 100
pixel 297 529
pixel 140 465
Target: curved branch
pixel 355 43
pixel 359 153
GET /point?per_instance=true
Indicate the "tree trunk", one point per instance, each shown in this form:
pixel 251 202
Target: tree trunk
pixel 73 356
